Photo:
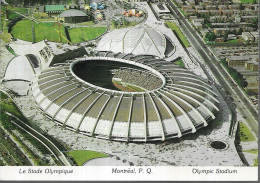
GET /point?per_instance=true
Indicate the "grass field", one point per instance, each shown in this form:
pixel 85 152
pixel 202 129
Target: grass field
pixel 256 162
pixel 78 35
pixel 175 28
pixel 233 41
pixel 245 134
pixel 82 156
pixel 249 1
pixel 23 30
pixel 179 63
pixel 11 15
pixel 6 104
pixel 253 151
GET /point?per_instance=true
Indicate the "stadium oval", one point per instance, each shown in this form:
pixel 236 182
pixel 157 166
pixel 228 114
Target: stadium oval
pixel 131 98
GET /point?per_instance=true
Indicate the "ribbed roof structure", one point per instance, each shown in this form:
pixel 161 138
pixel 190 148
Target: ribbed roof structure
pixel 19 68
pixel 72 13
pixel 137 40
pixel 172 101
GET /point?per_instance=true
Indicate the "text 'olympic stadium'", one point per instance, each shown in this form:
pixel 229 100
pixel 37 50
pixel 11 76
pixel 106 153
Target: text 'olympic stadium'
pixel 125 97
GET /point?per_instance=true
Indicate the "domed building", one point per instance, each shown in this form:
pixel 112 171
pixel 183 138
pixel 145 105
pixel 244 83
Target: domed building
pixel 138 40
pixel 124 97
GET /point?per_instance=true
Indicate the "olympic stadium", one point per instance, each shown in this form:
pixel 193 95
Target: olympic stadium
pixel 125 91
pixel 125 97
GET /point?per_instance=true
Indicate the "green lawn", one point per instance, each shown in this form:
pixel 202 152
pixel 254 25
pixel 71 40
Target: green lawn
pixel 249 1
pixel 175 28
pixel 253 151
pixel 82 156
pixel 81 34
pixel 7 104
pixel 179 63
pixel 245 134
pixel 3 96
pixel 233 41
pixel 256 162
pixel 23 30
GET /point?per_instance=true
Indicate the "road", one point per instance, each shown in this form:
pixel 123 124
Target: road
pixel 244 107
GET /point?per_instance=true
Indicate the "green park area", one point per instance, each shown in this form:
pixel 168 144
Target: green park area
pixel 81 34
pixel 6 104
pixel 23 30
pixel 179 34
pixel 245 134
pixel 249 1
pixel 180 63
pixel 11 15
pixel 253 151
pixel 82 156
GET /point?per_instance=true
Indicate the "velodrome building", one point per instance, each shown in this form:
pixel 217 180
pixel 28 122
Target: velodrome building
pixel 126 91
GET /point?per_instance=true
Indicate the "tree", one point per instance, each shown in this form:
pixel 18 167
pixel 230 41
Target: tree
pixel 226 35
pixel 241 6
pixel 254 23
pixel 210 36
pixel 125 22
pixel 240 31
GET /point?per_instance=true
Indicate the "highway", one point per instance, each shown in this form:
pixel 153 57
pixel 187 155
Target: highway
pixel 244 107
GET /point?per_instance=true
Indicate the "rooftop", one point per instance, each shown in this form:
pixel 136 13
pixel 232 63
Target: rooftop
pixel 54 8
pixel 72 13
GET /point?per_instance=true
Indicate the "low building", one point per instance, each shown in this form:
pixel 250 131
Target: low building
pixel 231 37
pixel 215 12
pixel 203 12
pixel 193 17
pixel 256 35
pixel 53 10
pixel 206 2
pixel 189 12
pixel 251 65
pixel 233 7
pixel 204 32
pixel 197 8
pixel 248 18
pixel 227 12
pixel 235 61
pixel 222 7
pixel 220 40
pixel 211 7
pixel 179 2
pixel 237 19
pixel 186 7
pixel 198 25
pixel 161 8
pixel 221 31
pixel 218 18
pixel 247 36
pixel 73 16
pixel 190 2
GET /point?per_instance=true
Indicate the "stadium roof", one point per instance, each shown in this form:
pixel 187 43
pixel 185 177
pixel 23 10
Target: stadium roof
pixel 137 40
pixel 174 102
pixel 72 13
